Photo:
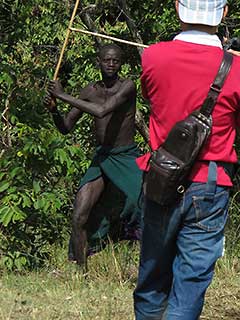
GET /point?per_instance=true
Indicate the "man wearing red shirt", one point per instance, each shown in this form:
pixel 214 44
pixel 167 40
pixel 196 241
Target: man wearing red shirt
pixel 181 243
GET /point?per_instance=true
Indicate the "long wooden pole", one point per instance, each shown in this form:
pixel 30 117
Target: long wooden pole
pixel 66 40
pixel 108 37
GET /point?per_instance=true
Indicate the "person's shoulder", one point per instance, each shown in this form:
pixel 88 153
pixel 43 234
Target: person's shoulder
pixel 89 86
pixel 129 85
pixel 127 82
pixel 234 71
pixel 154 48
pixel 86 91
pixel 156 45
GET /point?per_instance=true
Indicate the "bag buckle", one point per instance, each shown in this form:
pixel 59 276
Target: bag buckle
pixel 181 189
pixel 215 88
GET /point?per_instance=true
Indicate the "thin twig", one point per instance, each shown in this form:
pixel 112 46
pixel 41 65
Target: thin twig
pixel 7 125
pixel 96 34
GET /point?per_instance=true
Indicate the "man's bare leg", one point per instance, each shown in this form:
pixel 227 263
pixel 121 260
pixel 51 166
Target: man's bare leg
pixel 85 200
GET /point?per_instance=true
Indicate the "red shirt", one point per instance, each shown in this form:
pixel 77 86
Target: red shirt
pixel 176 77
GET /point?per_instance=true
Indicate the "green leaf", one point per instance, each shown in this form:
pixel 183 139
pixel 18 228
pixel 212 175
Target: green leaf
pixel 6 214
pixel 26 201
pixel 18 215
pixel 39 203
pixel 16 171
pixel 36 186
pixel 8 262
pixel 4 186
pixel 20 262
pixel 61 155
pixel 46 206
pixel 2 174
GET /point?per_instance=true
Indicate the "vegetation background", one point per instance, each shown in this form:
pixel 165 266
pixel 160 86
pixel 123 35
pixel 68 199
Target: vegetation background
pixel 41 169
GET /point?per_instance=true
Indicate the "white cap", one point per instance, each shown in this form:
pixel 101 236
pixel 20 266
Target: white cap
pixel 207 12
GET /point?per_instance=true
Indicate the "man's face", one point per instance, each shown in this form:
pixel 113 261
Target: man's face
pixel 110 62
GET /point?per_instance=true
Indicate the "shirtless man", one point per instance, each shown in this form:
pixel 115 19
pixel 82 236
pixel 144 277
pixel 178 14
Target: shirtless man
pixel 112 102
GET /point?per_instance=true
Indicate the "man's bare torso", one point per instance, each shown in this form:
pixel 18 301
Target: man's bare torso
pixel 116 128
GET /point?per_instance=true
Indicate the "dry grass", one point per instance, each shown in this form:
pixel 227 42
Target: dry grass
pixel 223 296
pixel 104 293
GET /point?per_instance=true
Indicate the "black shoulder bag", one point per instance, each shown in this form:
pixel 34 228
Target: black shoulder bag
pixel 171 164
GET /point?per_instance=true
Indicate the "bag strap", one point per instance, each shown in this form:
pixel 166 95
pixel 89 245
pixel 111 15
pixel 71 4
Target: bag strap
pixel 216 86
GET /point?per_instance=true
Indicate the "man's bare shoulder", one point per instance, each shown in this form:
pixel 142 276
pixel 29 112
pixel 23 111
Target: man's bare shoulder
pixel 129 82
pixel 128 86
pixel 86 92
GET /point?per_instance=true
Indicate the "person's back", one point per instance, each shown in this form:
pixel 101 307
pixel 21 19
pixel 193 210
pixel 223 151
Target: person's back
pixel 178 83
pixel 181 242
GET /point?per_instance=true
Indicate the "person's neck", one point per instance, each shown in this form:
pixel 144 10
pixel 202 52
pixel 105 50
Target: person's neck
pixel 109 82
pixel 199 27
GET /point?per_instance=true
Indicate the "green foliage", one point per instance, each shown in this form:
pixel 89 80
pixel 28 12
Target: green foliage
pixel 37 185
pixel 40 169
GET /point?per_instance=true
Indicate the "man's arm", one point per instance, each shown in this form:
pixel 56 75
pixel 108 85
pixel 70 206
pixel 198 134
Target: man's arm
pixel 234 52
pixel 99 110
pixel 64 124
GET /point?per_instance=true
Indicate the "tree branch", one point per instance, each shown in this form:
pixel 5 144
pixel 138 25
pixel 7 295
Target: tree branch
pixel 131 24
pixel 6 134
pixel 140 123
pixel 89 23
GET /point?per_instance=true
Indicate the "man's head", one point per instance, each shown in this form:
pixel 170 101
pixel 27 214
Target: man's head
pixel 201 12
pixel 110 60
